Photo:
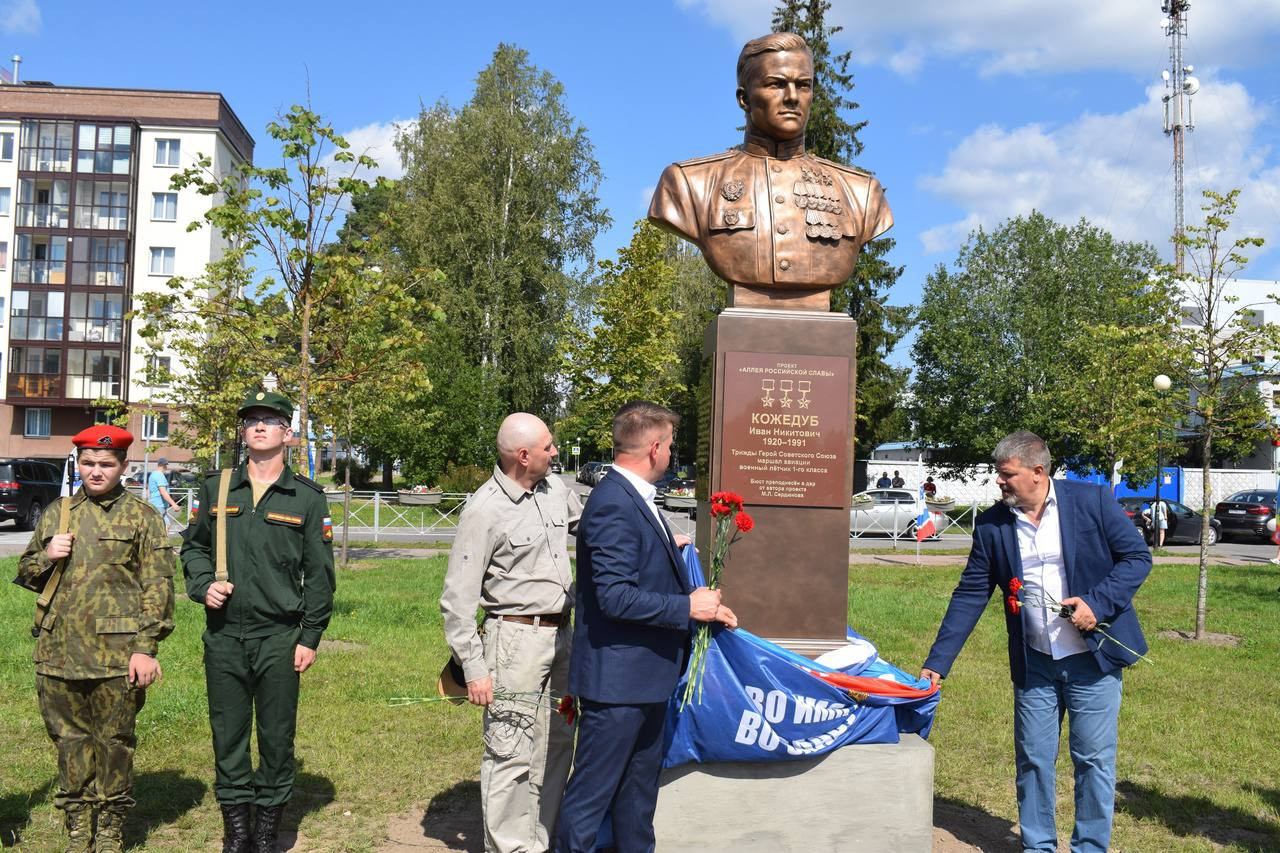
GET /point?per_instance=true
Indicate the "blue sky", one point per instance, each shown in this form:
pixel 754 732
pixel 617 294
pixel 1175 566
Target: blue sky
pixel 977 112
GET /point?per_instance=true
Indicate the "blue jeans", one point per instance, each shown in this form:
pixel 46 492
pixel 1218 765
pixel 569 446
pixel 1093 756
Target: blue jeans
pixel 1091 699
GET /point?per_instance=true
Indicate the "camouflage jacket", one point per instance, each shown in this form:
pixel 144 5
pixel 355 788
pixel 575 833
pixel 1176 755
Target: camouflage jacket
pixel 116 595
pixel 279 557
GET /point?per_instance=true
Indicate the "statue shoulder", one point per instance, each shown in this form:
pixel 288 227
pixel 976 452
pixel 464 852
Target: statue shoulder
pixel 710 158
pixel 846 171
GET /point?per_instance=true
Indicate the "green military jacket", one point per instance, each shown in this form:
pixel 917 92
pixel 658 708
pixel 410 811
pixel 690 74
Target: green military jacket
pixel 116 595
pixel 279 557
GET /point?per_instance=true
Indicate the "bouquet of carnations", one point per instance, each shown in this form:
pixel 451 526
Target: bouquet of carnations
pixel 730 522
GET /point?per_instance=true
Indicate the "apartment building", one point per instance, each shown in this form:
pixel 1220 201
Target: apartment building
pixel 88 221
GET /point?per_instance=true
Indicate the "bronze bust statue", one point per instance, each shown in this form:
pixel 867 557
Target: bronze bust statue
pixel 781 226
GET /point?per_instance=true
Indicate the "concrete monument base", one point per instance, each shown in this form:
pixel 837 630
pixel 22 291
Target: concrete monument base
pixel 867 797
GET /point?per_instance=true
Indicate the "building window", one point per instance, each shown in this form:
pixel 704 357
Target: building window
pixel 103 417
pixel 39 423
pixel 96 318
pixel 161 260
pixel 164 206
pixel 102 205
pixel 6 200
pixel 40 259
pixel 99 261
pixel 167 152
pixel 6 147
pixel 104 149
pixel 37 315
pixel 43 203
pixel 35 372
pixel 93 373
pixel 4 254
pixel 155 427
pixel 46 146
pixel 159 373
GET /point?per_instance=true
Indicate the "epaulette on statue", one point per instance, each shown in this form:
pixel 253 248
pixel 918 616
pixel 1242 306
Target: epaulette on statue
pixel 310 482
pixel 852 170
pixel 710 158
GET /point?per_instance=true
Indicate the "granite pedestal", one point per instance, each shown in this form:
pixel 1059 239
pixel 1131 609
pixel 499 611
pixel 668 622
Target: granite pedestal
pixel 873 798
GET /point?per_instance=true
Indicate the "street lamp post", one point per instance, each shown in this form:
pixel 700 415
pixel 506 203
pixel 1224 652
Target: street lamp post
pixel 1162 384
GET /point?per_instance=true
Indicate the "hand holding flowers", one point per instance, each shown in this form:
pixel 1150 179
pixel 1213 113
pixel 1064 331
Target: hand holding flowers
pixel 1074 608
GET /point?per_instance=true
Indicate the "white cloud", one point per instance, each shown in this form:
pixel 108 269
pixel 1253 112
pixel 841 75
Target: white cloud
pixel 1114 170
pixel 1017 36
pixel 19 17
pixel 378 141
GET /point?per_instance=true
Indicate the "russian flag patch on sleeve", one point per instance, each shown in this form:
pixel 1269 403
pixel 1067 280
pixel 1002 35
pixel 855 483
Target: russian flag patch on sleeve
pixel 328 529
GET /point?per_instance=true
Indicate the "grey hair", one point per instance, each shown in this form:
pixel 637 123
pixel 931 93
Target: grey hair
pixel 1027 447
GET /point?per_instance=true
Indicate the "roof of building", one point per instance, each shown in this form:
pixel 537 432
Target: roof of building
pixel 144 106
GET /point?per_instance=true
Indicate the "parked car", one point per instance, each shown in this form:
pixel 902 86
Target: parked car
pixel 1247 513
pixel 892 512
pixel 665 482
pixel 586 474
pixel 27 486
pixel 556 467
pixel 605 468
pixel 1184 522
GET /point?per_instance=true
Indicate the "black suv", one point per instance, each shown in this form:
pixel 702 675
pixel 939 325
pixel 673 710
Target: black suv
pixel 27 486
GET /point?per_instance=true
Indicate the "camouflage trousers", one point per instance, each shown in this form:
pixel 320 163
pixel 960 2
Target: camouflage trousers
pixel 91 722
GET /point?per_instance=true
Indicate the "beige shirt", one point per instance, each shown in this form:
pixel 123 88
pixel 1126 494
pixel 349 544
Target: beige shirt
pixel 508 557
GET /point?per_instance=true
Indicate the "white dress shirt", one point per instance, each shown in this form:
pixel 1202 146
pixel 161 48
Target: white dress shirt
pixel 1044 578
pixel 648 492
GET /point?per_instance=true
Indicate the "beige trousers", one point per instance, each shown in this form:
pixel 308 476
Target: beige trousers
pixel 528 747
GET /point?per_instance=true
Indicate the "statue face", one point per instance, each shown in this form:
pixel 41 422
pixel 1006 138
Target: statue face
pixel 778 94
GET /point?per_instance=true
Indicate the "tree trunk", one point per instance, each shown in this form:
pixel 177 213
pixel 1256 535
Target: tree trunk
pixel 346 491
pixel 1202 588
pixel 386 474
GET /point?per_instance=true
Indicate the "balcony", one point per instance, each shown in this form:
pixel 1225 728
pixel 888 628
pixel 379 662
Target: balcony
pixel 43 215
pixel 34 385
pixel 39 272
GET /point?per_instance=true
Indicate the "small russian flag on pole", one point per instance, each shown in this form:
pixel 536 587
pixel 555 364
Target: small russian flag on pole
pixel 924 525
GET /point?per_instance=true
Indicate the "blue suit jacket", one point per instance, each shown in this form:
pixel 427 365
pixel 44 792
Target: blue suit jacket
pixel 631 617
pixel 1105 560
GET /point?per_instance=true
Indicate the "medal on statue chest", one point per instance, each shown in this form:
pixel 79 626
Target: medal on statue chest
pixel 816 194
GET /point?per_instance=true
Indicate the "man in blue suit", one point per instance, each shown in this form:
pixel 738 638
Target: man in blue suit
pixel 630 638
pixel 1072 548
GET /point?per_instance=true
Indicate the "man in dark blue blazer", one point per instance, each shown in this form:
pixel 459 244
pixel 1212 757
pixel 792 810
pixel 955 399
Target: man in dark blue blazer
pixel 630 636
pixel 1069 546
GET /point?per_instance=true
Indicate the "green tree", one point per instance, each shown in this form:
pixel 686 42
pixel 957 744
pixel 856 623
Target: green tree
pixel 306 319
pixel 630 351
pixel 501 197
pixel 864 297
pixel 1218 335
pixel 1004 338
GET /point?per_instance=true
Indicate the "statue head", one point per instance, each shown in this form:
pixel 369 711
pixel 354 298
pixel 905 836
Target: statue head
pixel 775 85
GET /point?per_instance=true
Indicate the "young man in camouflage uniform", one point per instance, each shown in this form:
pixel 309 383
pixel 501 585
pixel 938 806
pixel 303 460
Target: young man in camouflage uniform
pixel 96 639
pixel 263 619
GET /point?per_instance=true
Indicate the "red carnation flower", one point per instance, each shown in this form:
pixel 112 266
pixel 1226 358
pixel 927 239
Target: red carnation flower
pixel 1014 604
pixel 719 508
pixel 568 708
pixel 744 522
pixel 1014 585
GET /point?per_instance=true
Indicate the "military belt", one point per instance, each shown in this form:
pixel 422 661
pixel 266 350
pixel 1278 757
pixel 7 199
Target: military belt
pixel 51 586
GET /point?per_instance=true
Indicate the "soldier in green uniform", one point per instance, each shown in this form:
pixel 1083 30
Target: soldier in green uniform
pixel 267 601
pixel 105 574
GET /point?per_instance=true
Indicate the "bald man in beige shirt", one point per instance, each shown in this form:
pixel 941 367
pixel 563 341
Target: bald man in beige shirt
pixel 510 558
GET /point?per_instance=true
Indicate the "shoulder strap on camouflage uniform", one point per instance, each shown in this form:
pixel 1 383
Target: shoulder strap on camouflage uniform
pixel 55 578
pixel 220 525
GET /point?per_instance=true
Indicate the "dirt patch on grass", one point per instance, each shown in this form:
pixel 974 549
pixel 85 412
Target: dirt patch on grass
pixel 1209 639
pixel 341 646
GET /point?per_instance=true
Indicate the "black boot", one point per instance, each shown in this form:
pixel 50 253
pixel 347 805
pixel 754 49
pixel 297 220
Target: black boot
pixel 267 828
pixel 236 832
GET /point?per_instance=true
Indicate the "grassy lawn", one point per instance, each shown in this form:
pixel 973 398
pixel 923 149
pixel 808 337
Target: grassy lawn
pixel 1197 757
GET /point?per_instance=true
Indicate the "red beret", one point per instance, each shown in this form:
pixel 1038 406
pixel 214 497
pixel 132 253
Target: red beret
pixel 103 437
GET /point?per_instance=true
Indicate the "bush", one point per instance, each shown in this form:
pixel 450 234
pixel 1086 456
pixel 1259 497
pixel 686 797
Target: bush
pixel 462 479
pixel 361 475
